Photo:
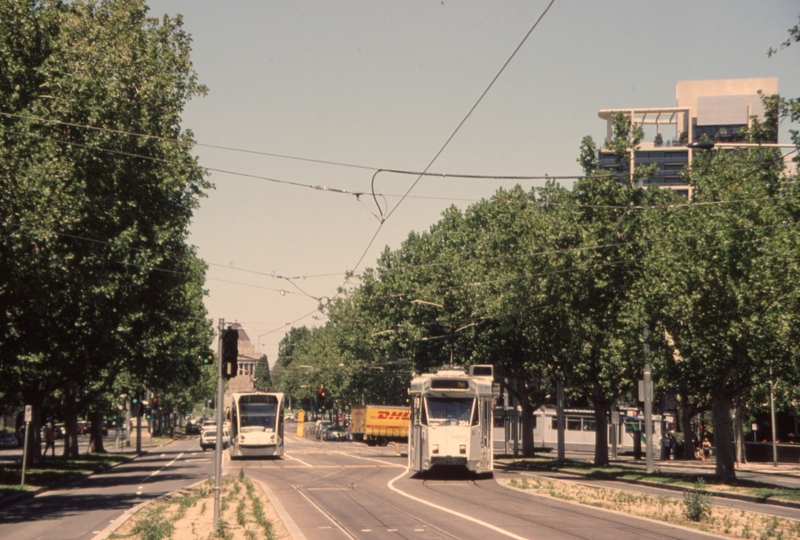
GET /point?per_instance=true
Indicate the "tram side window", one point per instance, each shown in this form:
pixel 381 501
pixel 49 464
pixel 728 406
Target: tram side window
pixel 573 424
pixel 589 425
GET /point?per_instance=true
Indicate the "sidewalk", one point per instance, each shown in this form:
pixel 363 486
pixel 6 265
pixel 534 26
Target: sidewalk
pixel 13 461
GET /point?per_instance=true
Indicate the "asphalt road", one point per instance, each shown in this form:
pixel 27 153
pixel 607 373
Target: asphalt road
pixel 331 490
pixel 87 507
pixel 344 490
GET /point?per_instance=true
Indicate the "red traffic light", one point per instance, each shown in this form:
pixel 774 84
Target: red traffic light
pixel 155 400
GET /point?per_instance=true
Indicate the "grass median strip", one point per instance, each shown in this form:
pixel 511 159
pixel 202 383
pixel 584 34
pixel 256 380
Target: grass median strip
pixel 54 471
pixel 245 514
pixel 713 484
pixel 694 511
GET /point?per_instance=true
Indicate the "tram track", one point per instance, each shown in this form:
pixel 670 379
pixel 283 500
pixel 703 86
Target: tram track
pixel 306 490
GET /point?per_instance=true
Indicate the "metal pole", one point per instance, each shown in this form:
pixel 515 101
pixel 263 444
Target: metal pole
pixel 220 430
pixel 127 421
pixel 772 416
pixel 560 417
pixel 25 452
pixel 648 415
pixel 139 425
pixel 614 424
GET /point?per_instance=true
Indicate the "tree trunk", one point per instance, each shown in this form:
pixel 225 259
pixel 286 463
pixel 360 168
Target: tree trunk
pixel 738 434
pixel 601 410
pixel 70 420
pixel 687 411
pixel 527 427
pixel 96 442
pixel 723 438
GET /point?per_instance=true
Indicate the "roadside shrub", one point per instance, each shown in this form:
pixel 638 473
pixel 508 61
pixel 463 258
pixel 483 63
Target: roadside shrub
pixel 696 504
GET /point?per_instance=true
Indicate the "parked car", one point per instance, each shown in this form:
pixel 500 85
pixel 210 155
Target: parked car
pixel 59 431
pixel 208 439
pixel 288 417
pixel 322 426
pixel 8 440
pixel 334 433
pixel 104 429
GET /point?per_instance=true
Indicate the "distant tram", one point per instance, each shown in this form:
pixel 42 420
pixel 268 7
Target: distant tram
pixel 257 425
pixel 451 419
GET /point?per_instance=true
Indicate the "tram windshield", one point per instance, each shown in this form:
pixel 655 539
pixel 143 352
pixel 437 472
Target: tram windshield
pixel 257 413
pixel 448 411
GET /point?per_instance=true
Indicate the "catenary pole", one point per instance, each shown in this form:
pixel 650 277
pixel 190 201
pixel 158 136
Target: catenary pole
pixel 220 429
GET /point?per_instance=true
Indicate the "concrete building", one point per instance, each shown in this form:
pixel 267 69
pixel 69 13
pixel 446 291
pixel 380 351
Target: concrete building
pixel 248 359
pixel 718 109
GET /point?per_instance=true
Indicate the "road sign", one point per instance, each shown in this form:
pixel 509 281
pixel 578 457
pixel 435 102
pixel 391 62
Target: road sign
pixel 28 413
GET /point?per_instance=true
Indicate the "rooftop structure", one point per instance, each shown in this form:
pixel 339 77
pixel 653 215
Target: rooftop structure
pixel 718 109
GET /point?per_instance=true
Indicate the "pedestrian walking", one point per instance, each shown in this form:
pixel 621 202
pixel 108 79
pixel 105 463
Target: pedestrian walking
pixel 706 449
pixel 49 439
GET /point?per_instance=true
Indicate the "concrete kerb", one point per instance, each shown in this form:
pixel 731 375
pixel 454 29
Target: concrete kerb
pixel 670 487
pixel 128 514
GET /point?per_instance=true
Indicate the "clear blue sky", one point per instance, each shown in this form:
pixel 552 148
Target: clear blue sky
pixel 384 84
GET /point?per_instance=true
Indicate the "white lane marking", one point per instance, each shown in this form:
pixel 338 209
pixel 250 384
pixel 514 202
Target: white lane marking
pixel 296 459
pixel 423 501
pixel 453 512
pixel 164 467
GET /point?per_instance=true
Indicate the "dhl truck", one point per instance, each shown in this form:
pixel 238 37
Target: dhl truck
pixel 379 424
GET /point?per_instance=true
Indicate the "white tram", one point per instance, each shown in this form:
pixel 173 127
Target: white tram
pixel 257 424
pixel 451 419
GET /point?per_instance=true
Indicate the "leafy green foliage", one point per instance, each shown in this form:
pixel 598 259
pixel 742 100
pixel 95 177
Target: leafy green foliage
pixel 98 279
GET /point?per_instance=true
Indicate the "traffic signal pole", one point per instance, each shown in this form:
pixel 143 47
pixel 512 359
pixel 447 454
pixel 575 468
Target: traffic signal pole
pixel 220 428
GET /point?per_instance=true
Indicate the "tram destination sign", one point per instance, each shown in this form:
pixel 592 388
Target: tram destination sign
pixel 449 384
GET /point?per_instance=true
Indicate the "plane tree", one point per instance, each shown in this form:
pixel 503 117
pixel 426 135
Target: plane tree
pixel 95 220
pixel 722 274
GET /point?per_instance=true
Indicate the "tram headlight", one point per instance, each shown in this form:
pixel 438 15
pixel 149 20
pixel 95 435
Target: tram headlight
pixel 434 449
pixel 462 448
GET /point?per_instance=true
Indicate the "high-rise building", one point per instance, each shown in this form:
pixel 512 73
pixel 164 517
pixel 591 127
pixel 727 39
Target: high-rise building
pixel 718 109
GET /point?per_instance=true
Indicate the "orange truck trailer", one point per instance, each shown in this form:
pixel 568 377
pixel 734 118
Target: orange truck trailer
pixel 379 424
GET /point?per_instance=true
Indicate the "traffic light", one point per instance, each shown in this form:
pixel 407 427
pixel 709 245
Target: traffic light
pixel 148 413
pixel 207 358
pixel 154 401
pixel 135 405
pixel 230 353
pixel 322 396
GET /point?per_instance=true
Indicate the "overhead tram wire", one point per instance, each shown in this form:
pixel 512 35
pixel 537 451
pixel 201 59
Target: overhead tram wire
pixel 358 194
pixel 184 141
pixel 323 188
pixel 450 138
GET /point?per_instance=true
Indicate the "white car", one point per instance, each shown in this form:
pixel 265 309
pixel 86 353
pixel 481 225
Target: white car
pixel 208 439
pixel 288 417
